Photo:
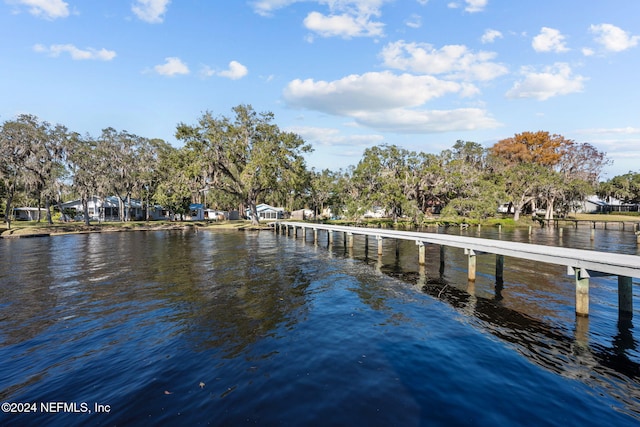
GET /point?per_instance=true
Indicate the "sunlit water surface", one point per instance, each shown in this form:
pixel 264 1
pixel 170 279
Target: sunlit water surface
pixel 254 328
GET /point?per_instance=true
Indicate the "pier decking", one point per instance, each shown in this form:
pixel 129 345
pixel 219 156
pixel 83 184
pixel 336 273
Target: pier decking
pixel 583 264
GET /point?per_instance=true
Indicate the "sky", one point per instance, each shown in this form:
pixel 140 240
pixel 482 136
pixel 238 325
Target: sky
pixel 345 75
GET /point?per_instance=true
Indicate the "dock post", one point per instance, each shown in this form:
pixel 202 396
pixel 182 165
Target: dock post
pixel 421 251
pixel 625 297
pixel 366 243
pixel 593 234
pixel 582 291
pixel 330 236
pixel 379 245
pixel 441 270
pixel 499 269
pixel 350 240
pixel 315 235
pixel 472 264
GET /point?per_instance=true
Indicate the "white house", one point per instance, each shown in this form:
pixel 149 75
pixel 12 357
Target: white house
pixel 29 214
pixel 267 212
pixel 107 209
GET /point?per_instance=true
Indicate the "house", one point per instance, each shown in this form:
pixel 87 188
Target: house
pixel 302 214
pixel 29 214
pixel 375 212
pixel 593 204
pixel 267 212
pixel 197 212
pixel 107 209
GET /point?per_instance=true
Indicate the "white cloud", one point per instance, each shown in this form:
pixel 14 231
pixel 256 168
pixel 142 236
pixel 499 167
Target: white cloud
pixel 472 6
pixel 455 61
pixel 334 137
pixel 628 130
pixel 172 67
pixel 235 71
pixel 56 50
pixel 490 36
pixel 369 91
pixel 266 7
pixel 613 38
pixel 388 102
pixel 404 120
pixel 151 11
pixel 414 22
pixel 345 18
pixel 587 51
pixel 475 5
pixel 49 9
pixel 549 40
pixel 553 81
pixel 343 25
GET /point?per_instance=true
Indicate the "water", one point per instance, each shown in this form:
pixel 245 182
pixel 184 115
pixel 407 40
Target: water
pixel 253 328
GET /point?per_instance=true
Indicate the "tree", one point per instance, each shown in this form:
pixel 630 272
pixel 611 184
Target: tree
pixel 385 178
pixel 86 167
pixel 31 152
pixel 570 169
pixel 625 188
pixel 247 156
pixel 469 189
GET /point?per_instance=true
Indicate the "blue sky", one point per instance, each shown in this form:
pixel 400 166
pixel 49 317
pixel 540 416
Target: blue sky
pixel 344 74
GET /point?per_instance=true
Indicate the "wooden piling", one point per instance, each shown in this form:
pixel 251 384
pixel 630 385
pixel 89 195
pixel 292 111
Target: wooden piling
pixel 499 269
pixel 471 255
pixel 379 245
pixel 582 292
pixel 625 296
pixel 421 253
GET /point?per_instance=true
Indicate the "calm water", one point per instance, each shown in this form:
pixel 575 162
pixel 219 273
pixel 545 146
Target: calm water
pixel 233 328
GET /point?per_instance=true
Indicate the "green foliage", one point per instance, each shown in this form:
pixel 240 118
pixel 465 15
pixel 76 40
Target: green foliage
pixel 247 156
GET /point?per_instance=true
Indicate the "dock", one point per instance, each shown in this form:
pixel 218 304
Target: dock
pixel 580 263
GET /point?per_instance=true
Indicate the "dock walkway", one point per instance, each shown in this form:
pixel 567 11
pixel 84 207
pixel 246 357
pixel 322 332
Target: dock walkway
pixel 579 262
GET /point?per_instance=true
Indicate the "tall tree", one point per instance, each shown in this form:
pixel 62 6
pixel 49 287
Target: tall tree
pixel 385 178
pixel 87 169
pixel 247 156
pixel 569 168
pixel 31 153
pixel 15 149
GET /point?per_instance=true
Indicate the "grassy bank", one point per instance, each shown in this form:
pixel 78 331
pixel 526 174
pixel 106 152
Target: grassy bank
pixel 33 228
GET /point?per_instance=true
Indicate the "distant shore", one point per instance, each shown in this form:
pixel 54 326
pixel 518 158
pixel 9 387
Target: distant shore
pixel 42 229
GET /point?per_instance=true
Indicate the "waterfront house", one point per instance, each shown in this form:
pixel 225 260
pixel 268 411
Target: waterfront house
pixel 29 214
pixel 267 212
pixel 107 209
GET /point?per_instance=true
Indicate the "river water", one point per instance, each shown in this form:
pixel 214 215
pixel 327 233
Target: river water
pixel 254 328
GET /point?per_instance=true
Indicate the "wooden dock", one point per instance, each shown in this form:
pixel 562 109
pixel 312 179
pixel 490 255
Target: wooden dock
pixel 580 263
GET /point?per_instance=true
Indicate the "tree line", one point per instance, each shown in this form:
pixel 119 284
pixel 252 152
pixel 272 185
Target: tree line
pixel 239 161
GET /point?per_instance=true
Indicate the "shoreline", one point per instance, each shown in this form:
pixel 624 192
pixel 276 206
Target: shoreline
pixel 60 229
pixel 47 230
